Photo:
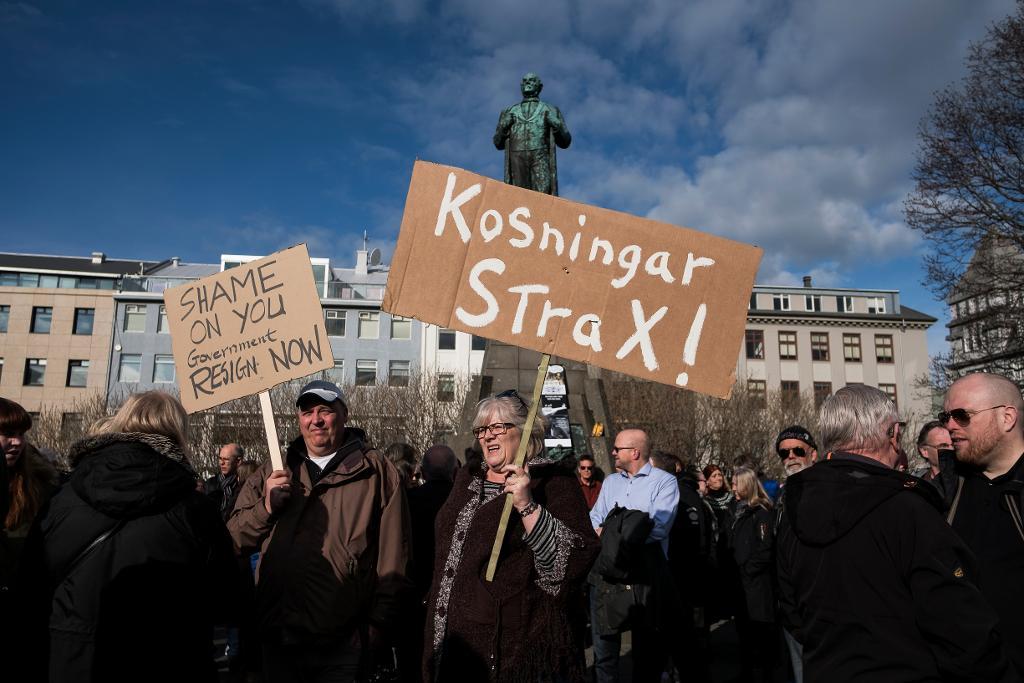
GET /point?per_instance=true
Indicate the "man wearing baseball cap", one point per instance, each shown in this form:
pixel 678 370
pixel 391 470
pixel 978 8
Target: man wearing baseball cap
pixel 797 451
pixel 332 529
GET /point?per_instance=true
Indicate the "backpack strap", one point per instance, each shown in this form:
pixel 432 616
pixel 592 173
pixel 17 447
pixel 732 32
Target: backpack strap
pixel 956 500
pixel 96 542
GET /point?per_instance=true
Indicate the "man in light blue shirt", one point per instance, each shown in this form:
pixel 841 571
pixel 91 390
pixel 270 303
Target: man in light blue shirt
pixel 635 485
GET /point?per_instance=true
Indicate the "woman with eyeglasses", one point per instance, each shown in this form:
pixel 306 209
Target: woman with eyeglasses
pixel 525 625
pixel 753 540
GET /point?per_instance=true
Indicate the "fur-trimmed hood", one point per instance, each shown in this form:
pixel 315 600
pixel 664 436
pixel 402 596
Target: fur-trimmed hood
pixel 130 474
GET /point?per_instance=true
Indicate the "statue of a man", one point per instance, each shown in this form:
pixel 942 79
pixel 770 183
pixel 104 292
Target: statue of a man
pixel 528 132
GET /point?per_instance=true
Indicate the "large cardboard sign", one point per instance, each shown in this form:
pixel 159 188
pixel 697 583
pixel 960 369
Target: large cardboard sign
pixel 247 329
pixel 629 294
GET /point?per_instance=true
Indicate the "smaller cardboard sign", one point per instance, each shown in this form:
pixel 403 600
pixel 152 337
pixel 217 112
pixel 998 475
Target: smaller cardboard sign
pixel 637 296
pixel 247 329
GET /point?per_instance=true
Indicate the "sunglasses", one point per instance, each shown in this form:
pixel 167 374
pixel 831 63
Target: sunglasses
pixel 586 468
pixel 798 452
pixel 961 415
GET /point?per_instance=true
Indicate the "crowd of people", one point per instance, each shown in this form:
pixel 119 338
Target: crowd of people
pixel 353 564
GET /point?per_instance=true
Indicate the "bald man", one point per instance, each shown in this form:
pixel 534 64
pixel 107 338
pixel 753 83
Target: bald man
pixel 984 414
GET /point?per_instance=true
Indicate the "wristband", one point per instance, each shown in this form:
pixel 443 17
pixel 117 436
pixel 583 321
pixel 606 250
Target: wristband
pixel 528 510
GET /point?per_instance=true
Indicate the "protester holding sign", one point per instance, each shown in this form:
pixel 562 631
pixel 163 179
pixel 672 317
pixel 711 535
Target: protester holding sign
pixel 522 626
pixel 333 532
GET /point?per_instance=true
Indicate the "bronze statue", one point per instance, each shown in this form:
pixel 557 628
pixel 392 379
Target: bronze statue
pixel 528 132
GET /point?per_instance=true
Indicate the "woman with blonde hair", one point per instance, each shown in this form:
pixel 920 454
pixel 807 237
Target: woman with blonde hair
pixel 524 625
pixel 753 541
pixel 137 564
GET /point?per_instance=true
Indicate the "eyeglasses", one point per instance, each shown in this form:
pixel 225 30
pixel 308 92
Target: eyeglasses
pixel 961 415
pixel 586 468
pixel 616 449
pixel 798 452
pixel 495 429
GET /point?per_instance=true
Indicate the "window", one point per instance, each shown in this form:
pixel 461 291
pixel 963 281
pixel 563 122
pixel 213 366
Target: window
pixel 161 321
pixel 366 373
pixel 337 373
pixel 757 390
pixel 398 373
pixel 478 343
pixel 135 318
pixel 35 371
pixel 334 320
pixel 851 348
pixel 819 346
pixel 790 393
pixel 876 305
pixel 446 340
pixel 890 391
pixel 753 302
pixel 369 328
pixel 42 316
pixel 446 387
pixel 844 304
pixel 822 390
pixel 401 328
pixel 163 369
pixel 78 371
pixel 755 344
pixel 83 320
pixel 787 345
pixel 375 293
pixel 1 369
pixel 780 302
pixel 883 348
pixel 130 369
pixel 5 316
pixel 812 302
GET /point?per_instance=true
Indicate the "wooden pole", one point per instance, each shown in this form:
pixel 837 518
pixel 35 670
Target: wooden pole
pixel 524 444
pixel 270 427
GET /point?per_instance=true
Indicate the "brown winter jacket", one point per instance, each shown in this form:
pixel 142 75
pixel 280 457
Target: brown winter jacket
pixel 336 558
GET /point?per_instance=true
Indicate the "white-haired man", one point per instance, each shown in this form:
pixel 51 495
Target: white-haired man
pixel 880 588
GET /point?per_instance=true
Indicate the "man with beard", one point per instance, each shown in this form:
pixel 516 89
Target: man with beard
pixel 797 451
pixel 985 418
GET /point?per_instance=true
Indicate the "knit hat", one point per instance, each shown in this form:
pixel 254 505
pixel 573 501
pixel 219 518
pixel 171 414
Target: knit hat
pixel 796 432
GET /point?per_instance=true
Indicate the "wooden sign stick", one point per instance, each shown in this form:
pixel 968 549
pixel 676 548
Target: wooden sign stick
pixel 271 429
pixel 524 444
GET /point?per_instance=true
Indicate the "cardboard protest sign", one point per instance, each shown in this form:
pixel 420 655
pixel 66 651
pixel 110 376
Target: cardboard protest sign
pixel 247 329
pixel 629 294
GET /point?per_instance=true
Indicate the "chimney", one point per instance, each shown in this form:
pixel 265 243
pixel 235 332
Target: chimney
pixel 175 260
pixel 98 257
pixel 807 280
pixel 361 262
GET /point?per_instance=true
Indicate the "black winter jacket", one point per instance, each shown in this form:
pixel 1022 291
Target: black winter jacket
pixel 143 602
pixel 880 586
pixel 753 541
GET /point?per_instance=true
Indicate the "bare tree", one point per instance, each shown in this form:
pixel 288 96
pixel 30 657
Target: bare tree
pixel 969 200
pixel 703 429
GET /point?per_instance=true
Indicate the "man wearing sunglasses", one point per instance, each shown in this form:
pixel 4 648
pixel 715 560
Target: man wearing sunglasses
pixel 588 482
pixel 985 418
pixel 878 586
pixel 797 450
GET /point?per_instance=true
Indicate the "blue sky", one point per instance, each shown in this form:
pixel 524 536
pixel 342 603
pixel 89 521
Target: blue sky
pixel 191 129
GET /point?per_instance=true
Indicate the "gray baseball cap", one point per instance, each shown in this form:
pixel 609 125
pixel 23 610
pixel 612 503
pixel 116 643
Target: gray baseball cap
pixel 322 389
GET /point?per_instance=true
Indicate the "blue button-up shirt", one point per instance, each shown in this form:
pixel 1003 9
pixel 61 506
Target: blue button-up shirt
pixel 650 490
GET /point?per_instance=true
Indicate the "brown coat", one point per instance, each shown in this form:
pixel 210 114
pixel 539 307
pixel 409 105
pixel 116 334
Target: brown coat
pixel 337 556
